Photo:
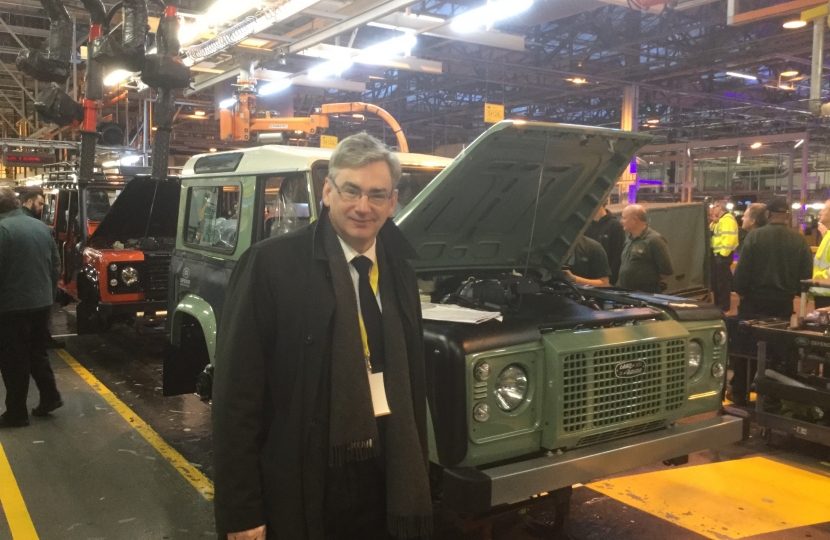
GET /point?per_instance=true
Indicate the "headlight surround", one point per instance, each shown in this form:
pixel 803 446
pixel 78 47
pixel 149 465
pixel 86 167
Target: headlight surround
pixel 694 358
pixel 719 337
pixel 511 387
pixel 129 275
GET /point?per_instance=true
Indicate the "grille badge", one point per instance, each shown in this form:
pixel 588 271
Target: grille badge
pixel 632 368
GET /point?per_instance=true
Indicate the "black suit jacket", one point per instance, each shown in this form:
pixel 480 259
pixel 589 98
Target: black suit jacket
pixel 273 350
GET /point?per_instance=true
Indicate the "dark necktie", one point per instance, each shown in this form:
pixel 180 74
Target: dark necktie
pixel 370 311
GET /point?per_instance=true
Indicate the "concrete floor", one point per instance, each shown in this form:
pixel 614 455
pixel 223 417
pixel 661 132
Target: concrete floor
pixel 87 473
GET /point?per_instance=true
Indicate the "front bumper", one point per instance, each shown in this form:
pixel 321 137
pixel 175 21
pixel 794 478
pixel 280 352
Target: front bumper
pixel 107 309
pixel 478 490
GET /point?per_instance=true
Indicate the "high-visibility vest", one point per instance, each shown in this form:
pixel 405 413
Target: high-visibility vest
pixel 725 236
pixel 821 266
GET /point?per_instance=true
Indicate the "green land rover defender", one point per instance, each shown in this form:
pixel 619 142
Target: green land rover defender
pixel 572 384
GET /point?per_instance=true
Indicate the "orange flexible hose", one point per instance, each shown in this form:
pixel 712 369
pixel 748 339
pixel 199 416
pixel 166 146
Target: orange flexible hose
pixel 357 107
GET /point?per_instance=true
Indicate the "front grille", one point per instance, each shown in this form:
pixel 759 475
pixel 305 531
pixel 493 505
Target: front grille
pixel 155 274
pixel 620 433
pixel 596 397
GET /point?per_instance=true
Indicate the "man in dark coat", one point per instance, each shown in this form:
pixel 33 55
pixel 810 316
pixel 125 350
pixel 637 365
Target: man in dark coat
pixel 320 339
pixel 29 269
pixel 608 231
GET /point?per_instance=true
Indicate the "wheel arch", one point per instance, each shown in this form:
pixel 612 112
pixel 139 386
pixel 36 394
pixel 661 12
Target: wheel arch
pixel 201 311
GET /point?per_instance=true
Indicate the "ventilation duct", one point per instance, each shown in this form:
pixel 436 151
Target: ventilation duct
pixel 127 54
pixel 53 65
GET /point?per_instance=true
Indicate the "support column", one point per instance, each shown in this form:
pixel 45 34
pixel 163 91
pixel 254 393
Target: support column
pixel 805 171
pixel 629 122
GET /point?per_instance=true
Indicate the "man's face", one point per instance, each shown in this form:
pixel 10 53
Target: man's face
pixel 629 221
pixel 824 214
pixel 35 205
pixel 748 223
pixel 358 222
pixel 717 212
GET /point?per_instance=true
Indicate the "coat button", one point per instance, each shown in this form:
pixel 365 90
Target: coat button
pixel 309 339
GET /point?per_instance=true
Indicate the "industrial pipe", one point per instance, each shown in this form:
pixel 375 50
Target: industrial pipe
pixel 359 107
pixel 818 63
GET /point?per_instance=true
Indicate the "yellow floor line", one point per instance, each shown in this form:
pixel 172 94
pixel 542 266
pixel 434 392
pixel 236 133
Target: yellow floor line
pixel 188 471
pixel 17 515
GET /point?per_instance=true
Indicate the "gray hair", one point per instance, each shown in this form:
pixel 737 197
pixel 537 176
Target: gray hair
pixel 757 212
pixel 8 200
pixel 359 150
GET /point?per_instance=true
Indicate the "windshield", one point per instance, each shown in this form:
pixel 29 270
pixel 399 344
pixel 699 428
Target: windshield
pixel 413 181
pixel 99 201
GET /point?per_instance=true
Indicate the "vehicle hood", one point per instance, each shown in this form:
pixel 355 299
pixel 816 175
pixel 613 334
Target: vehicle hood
pixel 521 194
pixel 145 208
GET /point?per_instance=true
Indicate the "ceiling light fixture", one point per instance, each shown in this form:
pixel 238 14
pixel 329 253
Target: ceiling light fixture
pixel 116 77
pixel 227 103
pixel 793 24
pixel 799 143
pixel 213 149
pixel 577 80
pixel 789 73
pixel 485 16
pixel 653 120
pixel 742 75
pixel 199 113
pixel 274 86
pixel 755 145
pixel 401 45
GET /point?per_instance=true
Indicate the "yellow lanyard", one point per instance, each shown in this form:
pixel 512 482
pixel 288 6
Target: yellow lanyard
pixel 374 274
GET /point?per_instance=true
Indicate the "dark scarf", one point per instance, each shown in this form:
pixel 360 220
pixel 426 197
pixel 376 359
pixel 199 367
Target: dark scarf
pixel 353 432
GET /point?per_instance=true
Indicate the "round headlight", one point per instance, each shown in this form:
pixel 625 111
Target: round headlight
pixel 511 387
pixel 481 412
pixel 129 275
pixel 694 359
pixel 718 370
pixel 482 371
pixel 719 337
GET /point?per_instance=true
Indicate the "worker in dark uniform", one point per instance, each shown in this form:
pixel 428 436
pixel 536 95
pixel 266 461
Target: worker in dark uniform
pixel 724 243
pixel 645 258
pixel 588 264
pixel 606 230
pixel 29 270
pixel 773 260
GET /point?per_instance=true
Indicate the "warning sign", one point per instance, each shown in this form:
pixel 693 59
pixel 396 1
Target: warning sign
pixel 493 113
pixel 328 141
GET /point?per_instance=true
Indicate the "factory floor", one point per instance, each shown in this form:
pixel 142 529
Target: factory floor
pixel 119 461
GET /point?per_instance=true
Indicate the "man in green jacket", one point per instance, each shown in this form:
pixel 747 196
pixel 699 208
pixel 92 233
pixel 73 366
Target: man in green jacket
pixel 29 270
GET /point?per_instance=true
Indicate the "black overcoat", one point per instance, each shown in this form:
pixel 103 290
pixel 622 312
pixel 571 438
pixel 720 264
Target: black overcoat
pixel 269 414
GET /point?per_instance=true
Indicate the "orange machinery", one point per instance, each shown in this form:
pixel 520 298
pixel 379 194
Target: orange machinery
pixel 242 121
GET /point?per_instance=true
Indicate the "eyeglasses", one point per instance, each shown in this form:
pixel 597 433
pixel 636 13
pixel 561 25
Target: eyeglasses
pixel 351 194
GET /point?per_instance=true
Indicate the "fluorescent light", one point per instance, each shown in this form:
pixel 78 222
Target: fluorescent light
pixel 817 206
pixel 577 80
pixel 331 68
pixel 116 77
pixel 109 164
pixel 653 120
pixel 274 86
pixel 789 73
pixel 755 145
pixel 799 143
pixel 188 33
pixel 199 113
pixel 213 149
pixel 797 23
pixel 730 206
pixel 796 206
pixel 129 160
pixel 488 14
pixel 738 161
pixel 742 75
pixel 227 103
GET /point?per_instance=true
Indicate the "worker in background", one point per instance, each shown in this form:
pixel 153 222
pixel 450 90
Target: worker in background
pixel 724 244
pixel 646 261
pixel 31 201
pixel 774 259
pixel 821 262
pixel 755 216
pixel 29 270
pixel 588 264
pixel 606 230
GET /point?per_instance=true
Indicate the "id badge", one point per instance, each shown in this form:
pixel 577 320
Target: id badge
pixel 378 394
